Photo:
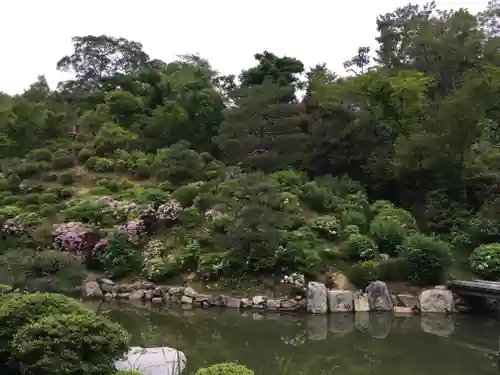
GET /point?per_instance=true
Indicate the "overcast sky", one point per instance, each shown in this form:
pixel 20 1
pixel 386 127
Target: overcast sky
pixel 35 34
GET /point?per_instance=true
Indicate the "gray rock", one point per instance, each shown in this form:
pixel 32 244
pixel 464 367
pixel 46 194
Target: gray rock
pixel 153 361
pixel 436 301
pixel 234 303
pixel 148 295
pixel 125 288
pixel 408 300
pixel 259 300
pixel 215 300
pixel 186 300
pixel 123 295
pixel 146 285
pixel 105 281
pixel 108 296
pixel 176 290
pixel 137 295
pixel 379 297
pixel 190 292
pixel 92 289
pixel 158 292
pixel 246 303
pixel 316 298
pixel 289 305
pixel 340 301
pixel 157 300
pixel 107 288
pixel 273 304
pixel 361 303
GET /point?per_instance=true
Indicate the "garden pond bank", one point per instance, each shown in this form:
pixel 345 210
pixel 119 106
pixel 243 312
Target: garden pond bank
pixel 316 299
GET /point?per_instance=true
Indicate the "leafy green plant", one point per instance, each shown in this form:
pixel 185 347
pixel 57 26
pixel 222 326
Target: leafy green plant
pixel 428 258
pixel 53 345
pixel 227 368
pixel 485 261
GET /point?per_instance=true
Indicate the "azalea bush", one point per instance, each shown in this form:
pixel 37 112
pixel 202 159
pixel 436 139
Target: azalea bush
pixel 485 261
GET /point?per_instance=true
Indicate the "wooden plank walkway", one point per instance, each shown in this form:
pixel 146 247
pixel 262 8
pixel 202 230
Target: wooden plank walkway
pixel 476 288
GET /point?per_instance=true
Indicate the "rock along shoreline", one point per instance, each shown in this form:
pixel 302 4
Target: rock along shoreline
pixel 317 300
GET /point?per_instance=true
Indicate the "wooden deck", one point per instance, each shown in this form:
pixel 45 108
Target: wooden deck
pixel 476 288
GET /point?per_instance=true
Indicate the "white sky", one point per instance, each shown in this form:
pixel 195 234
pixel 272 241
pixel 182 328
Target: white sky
pixel 35 34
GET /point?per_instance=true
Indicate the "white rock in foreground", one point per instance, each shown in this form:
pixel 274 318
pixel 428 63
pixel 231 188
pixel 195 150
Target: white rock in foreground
pixel 153 361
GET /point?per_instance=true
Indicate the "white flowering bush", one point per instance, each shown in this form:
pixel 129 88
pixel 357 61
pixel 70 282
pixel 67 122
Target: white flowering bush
pixel 119 209
pixel 154 266
pixel 327 226
pixel 485 261
pixel 169 210
pixel 296 279
pixel 13 227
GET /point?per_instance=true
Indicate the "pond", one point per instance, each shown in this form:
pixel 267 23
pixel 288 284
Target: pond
pixel 351 344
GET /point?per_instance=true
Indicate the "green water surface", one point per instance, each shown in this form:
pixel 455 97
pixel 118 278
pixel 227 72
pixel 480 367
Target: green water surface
pixel 351 344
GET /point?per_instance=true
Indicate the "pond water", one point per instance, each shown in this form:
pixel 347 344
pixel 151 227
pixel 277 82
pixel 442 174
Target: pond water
pixel 351 344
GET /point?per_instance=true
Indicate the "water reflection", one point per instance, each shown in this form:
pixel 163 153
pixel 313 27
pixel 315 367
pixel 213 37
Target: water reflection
pixel 350 344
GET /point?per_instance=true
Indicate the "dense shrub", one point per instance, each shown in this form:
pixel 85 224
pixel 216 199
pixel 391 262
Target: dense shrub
pixel 40 154
pixel 388 233
pixel 53 345
pixel 118 256
pixel 23 309
pixel 98 164
pixel 428 259
pixel 359 247
pixel 61 271
pixel 485 261
pixel 363 273
pixel 187 193
pixel 66 178
pixel 227 368
pixel 62 159
pixel 393 270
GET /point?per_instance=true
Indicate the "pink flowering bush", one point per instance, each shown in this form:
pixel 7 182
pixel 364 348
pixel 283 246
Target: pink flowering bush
pixel 70 237
pixel 132 229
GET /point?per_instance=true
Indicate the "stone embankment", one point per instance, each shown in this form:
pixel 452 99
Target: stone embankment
pixel 317 300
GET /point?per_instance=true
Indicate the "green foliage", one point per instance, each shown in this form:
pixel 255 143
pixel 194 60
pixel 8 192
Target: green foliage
pixel 363 273
pixel 227 368
pixel 428 259
pixel 485 261
pixel 270 182
pixel 120 256
pixel 53 344
pixel 24 309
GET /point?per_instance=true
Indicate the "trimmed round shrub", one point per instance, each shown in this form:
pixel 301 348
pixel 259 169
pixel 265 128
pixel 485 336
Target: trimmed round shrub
pixel 227 368
pixel 23 309
pixel 388 233
pixel 359 247
pixel 40 154
pixel 428 259
pixel 67 344
pixel 85 154
pixel 363 273
pixel 62 159
pixel 186 194
pixel 66 178
pixel 485 261
pixel 393 270
pixel 61 271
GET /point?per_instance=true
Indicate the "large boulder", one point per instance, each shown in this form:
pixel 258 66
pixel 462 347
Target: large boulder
pixel 316 298
pixel 153 361
pixel 92 289
pixel 379 297
pixel 340 301
pixel 436 300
